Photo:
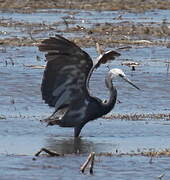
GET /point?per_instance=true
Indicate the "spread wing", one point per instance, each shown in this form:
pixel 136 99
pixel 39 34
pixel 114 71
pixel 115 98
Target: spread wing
pixel 66 77
pixel 105 57
pixel 102 59
pixel 66 72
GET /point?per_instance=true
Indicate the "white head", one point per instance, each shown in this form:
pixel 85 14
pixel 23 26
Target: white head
pixel 113 73
pixel 116 72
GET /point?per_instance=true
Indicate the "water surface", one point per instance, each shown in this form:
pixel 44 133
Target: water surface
pixel 22 134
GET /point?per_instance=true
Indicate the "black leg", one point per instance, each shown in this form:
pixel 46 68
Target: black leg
pixel 77 130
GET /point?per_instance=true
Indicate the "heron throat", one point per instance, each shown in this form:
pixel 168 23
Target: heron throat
pixel 110 103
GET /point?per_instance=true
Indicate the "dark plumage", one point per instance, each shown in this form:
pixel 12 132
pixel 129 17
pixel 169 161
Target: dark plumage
pixel 65 83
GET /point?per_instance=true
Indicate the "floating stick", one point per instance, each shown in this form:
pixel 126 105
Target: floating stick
pixel 51 153
pixel 89 158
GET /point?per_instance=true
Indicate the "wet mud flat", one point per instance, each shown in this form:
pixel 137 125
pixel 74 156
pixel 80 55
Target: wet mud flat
pixel 132 141
pixel 108 28
pixel 138 5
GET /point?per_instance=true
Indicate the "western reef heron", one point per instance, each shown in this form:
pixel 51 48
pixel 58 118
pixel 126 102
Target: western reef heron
pixel 65 83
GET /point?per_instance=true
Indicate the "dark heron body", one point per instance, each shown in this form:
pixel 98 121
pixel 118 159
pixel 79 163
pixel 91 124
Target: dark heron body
pixel 65 83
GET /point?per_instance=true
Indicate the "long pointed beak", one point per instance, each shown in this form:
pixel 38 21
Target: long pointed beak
pixel 130 82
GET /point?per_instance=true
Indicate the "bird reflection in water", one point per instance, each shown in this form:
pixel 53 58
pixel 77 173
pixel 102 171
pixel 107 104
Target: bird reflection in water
pixel 70 146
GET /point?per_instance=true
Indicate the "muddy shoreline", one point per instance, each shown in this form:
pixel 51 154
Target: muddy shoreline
pixel 106 34
pixel 119 31
pixel 132 5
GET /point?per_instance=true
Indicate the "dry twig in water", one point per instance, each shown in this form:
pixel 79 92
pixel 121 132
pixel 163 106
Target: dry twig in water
pixel 90 158
pixel 99 49
pixel 35 66
pixel 92 163
pixel 161 176
pixel 51 153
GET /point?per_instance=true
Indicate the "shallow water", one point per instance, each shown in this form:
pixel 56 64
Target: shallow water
pixel 56 19
pixel 22 134
pixel 105 168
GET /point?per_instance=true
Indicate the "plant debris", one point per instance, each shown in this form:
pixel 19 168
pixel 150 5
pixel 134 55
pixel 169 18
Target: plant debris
pixel 150 153
pixel 138 5
pixel 138 116
pixel 35 66
pixel 90 158
pixel 49 152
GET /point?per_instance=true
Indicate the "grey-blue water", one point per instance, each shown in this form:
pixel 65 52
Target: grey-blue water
pixel 22 134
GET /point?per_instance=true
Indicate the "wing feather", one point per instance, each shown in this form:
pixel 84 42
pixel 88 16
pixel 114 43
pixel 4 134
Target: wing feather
pixel 76 114
pixel 65 80
pixel 66 72
pixel 105 57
